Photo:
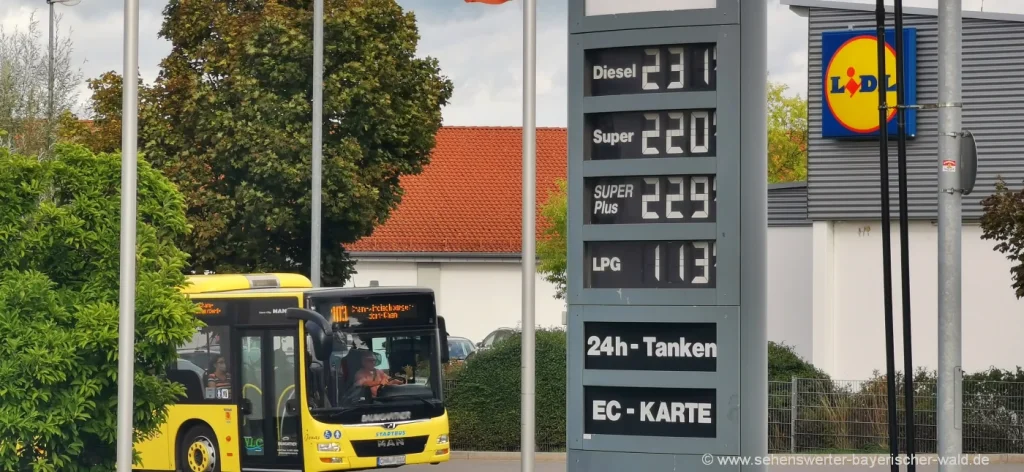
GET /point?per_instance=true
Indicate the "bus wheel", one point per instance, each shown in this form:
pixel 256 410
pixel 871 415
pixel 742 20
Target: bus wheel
pixel 197 451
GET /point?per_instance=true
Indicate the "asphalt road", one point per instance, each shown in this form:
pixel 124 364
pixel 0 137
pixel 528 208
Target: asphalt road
pixel 550 466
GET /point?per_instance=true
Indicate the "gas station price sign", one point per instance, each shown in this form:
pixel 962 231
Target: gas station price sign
pixel 651 134
pixel 667 164
pixel 646 69
pixel 651 199
pixel 650 264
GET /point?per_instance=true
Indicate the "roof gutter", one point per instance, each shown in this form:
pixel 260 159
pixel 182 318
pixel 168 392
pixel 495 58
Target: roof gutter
pixel 403 256
pixel 870 7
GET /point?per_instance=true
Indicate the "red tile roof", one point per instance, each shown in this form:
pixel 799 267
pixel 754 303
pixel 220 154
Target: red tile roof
pixel 469 198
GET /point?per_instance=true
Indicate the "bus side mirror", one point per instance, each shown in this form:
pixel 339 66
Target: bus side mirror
pixel 442 330
pixel 318 328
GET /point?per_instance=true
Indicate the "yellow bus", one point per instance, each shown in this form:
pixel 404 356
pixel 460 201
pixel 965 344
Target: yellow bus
pixel 275 380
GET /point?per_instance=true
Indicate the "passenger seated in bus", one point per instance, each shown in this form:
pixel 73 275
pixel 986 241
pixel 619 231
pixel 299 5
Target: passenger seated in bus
pixel 370 376
pixel 218 381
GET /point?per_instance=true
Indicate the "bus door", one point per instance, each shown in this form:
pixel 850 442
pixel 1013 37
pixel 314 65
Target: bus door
pixel 269 417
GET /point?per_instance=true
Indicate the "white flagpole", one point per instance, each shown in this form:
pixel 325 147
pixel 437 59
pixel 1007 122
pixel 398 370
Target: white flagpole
pixel 529 231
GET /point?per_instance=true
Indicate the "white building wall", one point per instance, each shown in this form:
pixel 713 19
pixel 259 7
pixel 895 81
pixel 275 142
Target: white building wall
pixel 480 297
pixel 789 288
pixel 474 297
pixel 993 322
pixel 385 273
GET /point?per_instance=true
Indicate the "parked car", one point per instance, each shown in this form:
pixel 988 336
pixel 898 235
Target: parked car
pixel 459 348
pixel 495 336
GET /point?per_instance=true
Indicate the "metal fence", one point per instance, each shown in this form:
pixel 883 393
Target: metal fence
pixel 809 415
pixel 836 416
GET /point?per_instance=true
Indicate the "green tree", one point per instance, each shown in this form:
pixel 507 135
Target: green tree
pixel 24 85
pixel 103 134
pixel 787 135
pixel 59 278
pixel 229 121
pixel 551 246
pixel 1003 221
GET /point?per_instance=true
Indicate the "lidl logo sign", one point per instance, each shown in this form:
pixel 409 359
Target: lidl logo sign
pixel 851 82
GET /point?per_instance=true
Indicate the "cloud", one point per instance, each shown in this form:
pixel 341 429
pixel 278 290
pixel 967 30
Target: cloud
pixel 479 47
pixel 97 31
pixel 483 55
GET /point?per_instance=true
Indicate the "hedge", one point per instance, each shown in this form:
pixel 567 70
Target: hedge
pixel 483 402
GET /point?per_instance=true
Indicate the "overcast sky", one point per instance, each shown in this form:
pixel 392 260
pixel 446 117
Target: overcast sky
pixel 479 47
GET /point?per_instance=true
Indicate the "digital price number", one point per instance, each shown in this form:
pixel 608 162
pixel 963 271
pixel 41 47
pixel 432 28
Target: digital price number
pixel 651 134
pixel 656 199
pixel 650 264
pixel 646 69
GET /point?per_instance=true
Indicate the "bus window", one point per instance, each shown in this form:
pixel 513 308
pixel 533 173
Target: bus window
pixel 379 348
pixel 204 366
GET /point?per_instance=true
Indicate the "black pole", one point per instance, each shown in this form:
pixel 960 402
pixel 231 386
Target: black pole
pixel 908 361
pixel 883 143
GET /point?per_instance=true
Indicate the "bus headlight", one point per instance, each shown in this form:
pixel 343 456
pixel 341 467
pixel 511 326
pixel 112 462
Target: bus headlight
pixel 442 439
pixel 328 447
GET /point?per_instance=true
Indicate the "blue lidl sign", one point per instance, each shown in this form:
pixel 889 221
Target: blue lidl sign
pixel 850 82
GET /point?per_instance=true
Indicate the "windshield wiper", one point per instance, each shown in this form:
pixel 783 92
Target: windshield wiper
pixel 336 410
pixel 403 396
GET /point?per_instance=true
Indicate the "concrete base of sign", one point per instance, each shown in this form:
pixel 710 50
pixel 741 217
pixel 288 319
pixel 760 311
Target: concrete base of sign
pixel 602 461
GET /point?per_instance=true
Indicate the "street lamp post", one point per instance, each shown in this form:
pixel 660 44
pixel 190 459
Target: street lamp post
pixel 49 115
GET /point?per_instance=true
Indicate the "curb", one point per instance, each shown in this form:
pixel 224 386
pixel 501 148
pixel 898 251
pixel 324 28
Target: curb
pixel 506 456
pixel 972 459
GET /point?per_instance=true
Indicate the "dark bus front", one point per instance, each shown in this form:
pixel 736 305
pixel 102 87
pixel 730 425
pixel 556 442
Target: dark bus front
pixel 387 350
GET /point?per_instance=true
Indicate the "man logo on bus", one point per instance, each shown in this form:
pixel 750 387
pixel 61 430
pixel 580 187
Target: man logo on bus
pixel 851 83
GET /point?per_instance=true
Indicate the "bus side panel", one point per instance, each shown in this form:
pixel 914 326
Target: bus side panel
pixel 156 452
pixel 159 453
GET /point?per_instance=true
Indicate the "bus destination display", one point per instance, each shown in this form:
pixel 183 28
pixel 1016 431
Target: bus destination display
pixel 646 69
pixel 650 134
pixel 679 347
pixel 650 264
pixel 356 313
pixel 654 199
pixel 650 411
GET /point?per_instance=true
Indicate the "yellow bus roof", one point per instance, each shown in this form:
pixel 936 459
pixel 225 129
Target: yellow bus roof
pixel 233 282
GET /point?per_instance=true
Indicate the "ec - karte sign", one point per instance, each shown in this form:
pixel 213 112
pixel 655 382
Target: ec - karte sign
pixel 850 82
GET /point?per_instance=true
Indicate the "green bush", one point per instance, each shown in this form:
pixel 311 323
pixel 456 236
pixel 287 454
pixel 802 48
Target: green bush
pixel 59 277
pixel 484 399
pixel 784 364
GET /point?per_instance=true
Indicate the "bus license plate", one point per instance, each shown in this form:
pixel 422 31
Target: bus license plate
pixel 391 460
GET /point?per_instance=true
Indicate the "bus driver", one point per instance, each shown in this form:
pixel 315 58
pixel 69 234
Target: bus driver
pixel 370 376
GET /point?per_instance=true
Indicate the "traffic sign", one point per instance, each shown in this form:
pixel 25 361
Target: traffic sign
pixel 667 223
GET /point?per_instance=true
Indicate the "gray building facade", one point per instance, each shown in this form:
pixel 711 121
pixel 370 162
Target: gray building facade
pixel 843 175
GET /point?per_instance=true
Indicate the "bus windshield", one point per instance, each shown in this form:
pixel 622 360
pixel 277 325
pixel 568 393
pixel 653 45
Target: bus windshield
pixel 368 368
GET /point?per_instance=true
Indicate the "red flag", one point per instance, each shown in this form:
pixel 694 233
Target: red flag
pixel 489 2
